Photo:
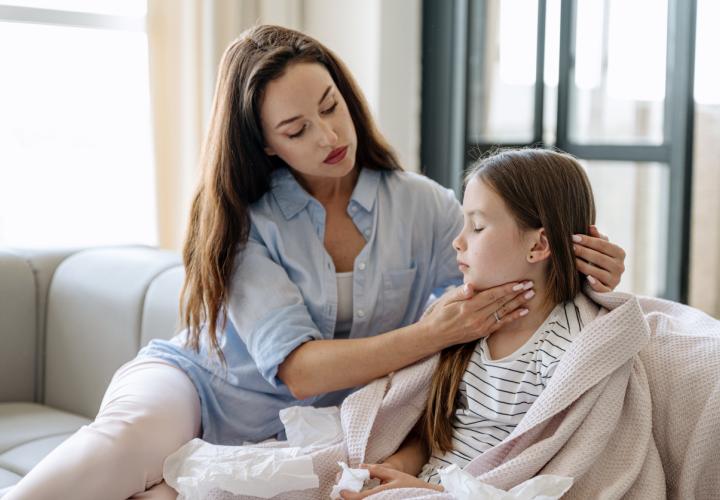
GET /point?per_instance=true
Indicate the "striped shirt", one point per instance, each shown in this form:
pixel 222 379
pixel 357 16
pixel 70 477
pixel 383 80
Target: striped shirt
pixel 495 394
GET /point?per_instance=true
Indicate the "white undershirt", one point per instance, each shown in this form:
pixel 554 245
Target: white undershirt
pixel 345 303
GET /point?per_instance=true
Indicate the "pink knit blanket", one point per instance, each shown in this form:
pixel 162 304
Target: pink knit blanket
pixel 632 411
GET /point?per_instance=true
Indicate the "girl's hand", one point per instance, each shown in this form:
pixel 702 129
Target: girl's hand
pixel 603 262
pixel 463 315
pixel 389 479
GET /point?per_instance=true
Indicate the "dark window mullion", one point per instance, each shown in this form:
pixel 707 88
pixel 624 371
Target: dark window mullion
pixel 539 112
pixel 682 16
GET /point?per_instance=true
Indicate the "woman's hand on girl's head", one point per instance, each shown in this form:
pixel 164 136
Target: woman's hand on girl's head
pixel 389 479
pixel 601 261
pixel 463 315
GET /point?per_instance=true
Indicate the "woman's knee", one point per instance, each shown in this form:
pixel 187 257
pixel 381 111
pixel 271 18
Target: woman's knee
pixel 149 411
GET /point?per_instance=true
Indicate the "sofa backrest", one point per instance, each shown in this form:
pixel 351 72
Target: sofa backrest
pixel 103 305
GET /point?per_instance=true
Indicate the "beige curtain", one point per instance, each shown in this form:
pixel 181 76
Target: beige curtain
pixel 186 39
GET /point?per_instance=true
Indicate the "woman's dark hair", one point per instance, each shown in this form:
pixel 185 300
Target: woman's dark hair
pixel 236 171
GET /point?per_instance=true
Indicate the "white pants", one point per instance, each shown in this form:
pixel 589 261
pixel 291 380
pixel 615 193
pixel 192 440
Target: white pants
pixel 150 409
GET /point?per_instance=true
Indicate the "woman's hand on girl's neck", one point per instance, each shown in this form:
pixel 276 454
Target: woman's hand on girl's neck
pixel 512 336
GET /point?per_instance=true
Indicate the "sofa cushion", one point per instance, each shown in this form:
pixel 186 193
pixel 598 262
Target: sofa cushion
pixel 28 432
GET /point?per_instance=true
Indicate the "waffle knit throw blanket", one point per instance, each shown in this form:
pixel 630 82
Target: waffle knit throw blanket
pixel 632 411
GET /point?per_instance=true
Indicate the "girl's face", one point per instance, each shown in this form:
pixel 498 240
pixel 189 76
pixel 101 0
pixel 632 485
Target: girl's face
pixel 306 122
pixel 491 248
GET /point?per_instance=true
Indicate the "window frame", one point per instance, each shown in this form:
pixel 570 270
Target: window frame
pixel 445 152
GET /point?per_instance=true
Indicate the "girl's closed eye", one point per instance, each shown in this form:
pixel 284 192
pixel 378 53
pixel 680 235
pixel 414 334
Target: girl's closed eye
pixel 331 109
pixel 478 229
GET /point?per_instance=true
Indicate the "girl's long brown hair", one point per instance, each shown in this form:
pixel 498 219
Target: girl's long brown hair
pixel 542 189
pixel 236 171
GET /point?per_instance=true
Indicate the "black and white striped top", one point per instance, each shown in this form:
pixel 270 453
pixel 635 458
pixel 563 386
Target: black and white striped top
pixel 494 395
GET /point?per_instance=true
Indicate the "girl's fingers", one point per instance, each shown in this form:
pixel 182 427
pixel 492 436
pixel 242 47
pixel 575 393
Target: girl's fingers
pixel 380 472
pixel 349 495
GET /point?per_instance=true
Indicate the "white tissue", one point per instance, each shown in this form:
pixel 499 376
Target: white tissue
pixel 351 480
pixel 199 467
pixel 464 486
pixel 310 427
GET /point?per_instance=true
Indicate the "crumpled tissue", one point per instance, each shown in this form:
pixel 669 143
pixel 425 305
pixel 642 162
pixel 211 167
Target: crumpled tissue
pixel 310 427
pixel 199 467
pixel 351 480
pixel 464 486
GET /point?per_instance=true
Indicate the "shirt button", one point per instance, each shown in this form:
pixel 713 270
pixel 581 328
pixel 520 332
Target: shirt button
pixel 361 313
pixel 353 208
pixel 367 232
pixel 361 266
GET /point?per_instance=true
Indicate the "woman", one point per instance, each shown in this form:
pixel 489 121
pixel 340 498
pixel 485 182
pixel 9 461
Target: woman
pixel 306 240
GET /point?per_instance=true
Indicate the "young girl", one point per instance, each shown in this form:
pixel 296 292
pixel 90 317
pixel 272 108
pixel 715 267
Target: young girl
pixel 519 207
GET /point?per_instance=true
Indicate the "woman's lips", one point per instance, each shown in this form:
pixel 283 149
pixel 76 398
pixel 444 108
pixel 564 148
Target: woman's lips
pixel 462 266
pixel 336 155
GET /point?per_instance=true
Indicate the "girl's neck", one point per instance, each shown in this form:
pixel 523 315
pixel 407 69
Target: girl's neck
pixel 514 335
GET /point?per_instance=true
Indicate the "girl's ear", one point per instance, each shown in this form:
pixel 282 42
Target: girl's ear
pixel 269 151
pixel 540 249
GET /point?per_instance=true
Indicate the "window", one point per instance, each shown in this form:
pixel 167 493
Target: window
pixel 76 160
pixel 608 81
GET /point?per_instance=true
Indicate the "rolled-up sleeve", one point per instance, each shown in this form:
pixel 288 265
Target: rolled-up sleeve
pixel 267 310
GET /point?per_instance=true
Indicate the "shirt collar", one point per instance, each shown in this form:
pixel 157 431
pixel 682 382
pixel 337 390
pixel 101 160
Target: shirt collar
pixel 292 198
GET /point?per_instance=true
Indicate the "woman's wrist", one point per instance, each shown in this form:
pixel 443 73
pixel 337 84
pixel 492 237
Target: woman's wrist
pixel 428 336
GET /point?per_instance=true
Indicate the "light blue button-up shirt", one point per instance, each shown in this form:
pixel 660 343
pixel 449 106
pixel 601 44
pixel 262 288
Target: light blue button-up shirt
pixel 284 292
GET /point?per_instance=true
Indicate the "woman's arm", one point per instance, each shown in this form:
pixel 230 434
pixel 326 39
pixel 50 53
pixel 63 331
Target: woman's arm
pixel 321 366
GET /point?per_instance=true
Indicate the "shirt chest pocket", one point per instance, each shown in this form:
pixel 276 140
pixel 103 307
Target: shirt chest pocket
pixel 395 293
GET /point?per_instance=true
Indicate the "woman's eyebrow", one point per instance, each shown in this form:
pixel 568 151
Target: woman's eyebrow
pixel 292 119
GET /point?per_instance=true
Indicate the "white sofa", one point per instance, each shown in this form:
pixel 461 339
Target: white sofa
pixel 68 320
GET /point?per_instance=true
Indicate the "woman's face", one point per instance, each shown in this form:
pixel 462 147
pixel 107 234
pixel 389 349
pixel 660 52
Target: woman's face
pixel 491 248
pixel 306 122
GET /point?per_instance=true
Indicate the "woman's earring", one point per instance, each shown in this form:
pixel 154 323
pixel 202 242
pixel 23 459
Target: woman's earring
pixel 530 257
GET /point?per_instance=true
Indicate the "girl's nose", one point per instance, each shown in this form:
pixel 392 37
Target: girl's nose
pixel 458 243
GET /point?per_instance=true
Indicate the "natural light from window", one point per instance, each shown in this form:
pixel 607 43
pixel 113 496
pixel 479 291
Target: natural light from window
pixel 76 160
